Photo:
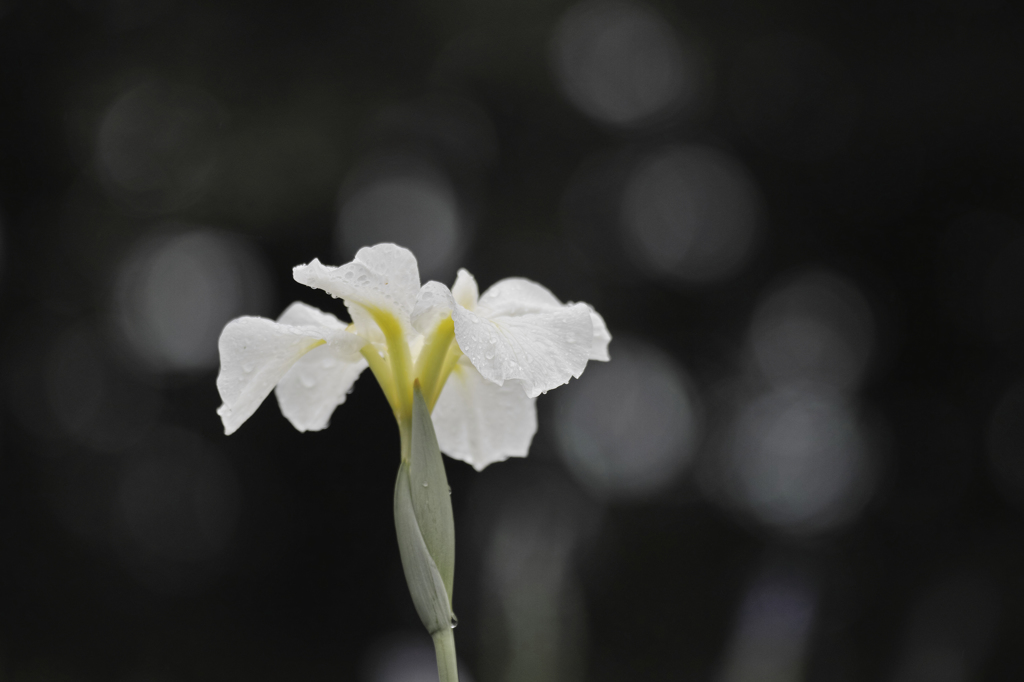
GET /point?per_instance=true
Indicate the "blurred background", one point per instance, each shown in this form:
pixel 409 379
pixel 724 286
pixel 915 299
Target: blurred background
pixel 802 222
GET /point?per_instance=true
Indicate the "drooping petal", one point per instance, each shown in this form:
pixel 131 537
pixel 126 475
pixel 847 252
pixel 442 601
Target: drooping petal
pixel 602 337
pixel 479 422
pixel 321 379
pixel 541 350
pixel 255 353
pixel 519 330
pixel 384 277
pixel 318 383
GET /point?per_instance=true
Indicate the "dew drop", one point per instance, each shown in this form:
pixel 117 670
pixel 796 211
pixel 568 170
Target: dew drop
pixel 308 381
pixel 426 485
pixel 449 490
pixel 247 367
pixel 455 621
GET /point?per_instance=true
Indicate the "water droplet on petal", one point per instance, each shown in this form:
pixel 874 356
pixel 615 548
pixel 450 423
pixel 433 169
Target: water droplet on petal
pixel 455 621
pixel 247 367
pixel 426 485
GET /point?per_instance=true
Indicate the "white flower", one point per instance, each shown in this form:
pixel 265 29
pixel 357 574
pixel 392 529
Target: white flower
pixel 480 360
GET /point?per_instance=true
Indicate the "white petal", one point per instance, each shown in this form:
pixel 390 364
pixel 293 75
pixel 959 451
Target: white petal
pixel 516 296
pixel 542 350
pixel 602 337
pixel 433 303
pixel 465 289
pixel 299 314
pixel 520 330
pixel 384 277
pixel 316 385
pixel 480 422
pixel 254 354
pixel 333 330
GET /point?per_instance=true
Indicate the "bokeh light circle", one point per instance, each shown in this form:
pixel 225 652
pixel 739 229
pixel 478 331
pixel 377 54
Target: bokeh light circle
pixel 157 147
pixel 408 202
pixel 629 428
pixel 174 294
pixel 690 212
pixel 798 459
pixel 621 63
pixel 817 327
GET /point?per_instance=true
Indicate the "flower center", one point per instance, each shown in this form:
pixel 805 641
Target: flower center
pixel 394 368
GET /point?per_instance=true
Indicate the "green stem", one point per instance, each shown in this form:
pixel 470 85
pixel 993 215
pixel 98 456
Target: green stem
pixel 444 648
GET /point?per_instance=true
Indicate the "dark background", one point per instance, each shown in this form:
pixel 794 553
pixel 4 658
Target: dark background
pixel 805 460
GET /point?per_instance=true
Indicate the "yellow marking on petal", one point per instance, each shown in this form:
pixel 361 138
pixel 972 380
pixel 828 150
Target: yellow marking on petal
pixel 430 363
pixel 382 371
pixel 398 359
pixel 451 364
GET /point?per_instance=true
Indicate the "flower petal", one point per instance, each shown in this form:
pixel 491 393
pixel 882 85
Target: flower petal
pixel 433 303
pixel 516 296
pixel 384 277
pixel 321 379
pixel 520 330
pixel 465 289
pixel 602 337
pixel 254 354
pixel 479 422
pixel 300 314
pixel 541 350
pixel 316 384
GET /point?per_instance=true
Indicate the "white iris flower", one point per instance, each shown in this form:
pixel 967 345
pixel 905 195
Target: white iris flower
pixel 481 360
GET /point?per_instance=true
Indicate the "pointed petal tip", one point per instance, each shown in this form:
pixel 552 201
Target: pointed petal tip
pixel 302 427
pixel 602 337
pixel 480 466
pixel 225 417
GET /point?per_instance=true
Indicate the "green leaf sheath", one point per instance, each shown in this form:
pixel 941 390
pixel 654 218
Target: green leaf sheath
pixel 425 585
pixel 426 534
pixel 431 497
